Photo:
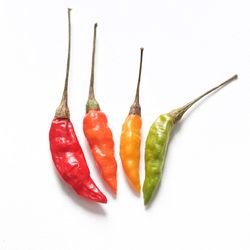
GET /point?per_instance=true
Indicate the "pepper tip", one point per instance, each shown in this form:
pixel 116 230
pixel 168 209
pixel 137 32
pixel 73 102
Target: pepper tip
pixel 104 200
pixel 112 183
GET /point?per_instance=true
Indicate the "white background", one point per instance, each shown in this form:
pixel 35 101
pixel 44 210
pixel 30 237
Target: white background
pixel 190 46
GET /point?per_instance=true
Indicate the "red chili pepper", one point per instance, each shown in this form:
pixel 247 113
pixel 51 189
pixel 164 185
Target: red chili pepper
pixel 66 151
pixel 98 133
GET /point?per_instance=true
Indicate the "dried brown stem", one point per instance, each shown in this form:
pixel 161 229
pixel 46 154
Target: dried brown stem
pixel 63 110
pixel 92 103
pixel 178 113
pixel 136 107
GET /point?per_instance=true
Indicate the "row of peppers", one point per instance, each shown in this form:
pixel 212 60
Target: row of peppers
pixel 69 158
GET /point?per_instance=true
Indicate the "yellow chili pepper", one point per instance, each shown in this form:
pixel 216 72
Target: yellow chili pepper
pixel 131 139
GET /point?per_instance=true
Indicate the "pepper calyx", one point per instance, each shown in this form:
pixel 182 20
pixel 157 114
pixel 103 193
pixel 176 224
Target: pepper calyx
pixel 135 109
pixel 62 112
pixel 176 114
pixel 92 104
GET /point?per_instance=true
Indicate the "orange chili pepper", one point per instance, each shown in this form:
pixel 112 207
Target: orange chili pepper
pixel 98 134
pixel 131 139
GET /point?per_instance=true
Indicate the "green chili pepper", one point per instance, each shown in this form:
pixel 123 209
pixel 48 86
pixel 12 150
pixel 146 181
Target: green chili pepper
pixel 157 142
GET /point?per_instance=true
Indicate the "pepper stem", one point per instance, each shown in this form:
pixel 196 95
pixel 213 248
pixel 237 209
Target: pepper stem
pixel 92 103
pixel 135 109
pixel 177 114
pixel 63 110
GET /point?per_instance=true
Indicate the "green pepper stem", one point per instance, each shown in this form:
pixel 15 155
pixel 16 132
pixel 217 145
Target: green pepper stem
pixel 178 113
pixel 92 103
pixel 63 110
pixel 136 108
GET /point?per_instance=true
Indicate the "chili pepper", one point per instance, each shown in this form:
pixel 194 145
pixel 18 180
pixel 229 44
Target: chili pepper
pixel 66 151
pixel 131 139
pixel 98 133
pixel 157 142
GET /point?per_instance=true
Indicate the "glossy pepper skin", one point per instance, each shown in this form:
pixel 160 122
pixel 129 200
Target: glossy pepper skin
pixel 100 139
pixel 66 151
pixel 99 135
pixel 157 142
pixel 130 140
pixel 155 153
pixel 69 160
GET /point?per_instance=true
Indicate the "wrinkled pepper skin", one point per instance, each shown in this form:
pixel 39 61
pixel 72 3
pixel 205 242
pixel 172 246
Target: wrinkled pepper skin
pixel 70 162
pixel 158 138
pixel 130 141
pixel 100 139
pixel 155 153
